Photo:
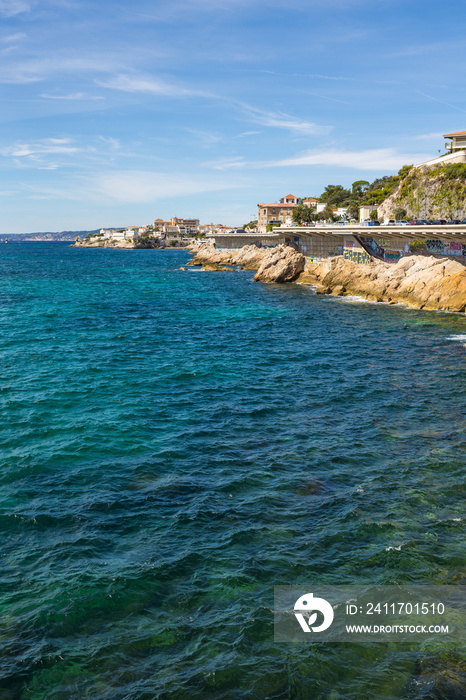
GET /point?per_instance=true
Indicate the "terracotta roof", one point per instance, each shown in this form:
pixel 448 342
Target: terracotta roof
pixel 276 204
pixel 290 195
pixel 456 133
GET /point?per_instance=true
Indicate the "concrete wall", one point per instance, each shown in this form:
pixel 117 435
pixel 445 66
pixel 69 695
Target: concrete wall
pixel 457 157
pixel 229 241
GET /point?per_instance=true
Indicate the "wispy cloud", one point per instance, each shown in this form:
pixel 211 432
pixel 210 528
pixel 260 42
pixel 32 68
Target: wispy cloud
pixel 206 137
pixel 148 85
pixel 435 135
pixel 39 69
pixel 247 133
pixel 280 120
pixel 20 150
pixel 442 102
pixel 12 37
pixel 339 78
pixel 373 159
pixel 139 187
pixel 227 163
pixel 9 8
pixel 72 96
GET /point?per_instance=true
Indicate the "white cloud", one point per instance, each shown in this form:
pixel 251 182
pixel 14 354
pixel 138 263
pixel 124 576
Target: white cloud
pixel 281 120
pixel 138 187
pixel 430 137
pixel 247 133
pixel 13 37
pixel 9 8
pixel 206 137
pixel 148 85
pixel 34 70
pixel 47 146
pixel 72 96
pixel 371 159
pixel 228 163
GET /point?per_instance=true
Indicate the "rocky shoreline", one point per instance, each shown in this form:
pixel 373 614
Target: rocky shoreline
pixel 418 281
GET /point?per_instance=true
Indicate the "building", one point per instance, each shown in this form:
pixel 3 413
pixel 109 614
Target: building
pixel 456 151
pixel 276 213
pixel 365 211
pixel 170 228
pixel 290 199
pixel 188 224
pixel 311 202
pixel 457 143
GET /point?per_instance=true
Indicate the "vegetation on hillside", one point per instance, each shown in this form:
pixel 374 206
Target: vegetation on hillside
pixel 361 192
pixel 437 192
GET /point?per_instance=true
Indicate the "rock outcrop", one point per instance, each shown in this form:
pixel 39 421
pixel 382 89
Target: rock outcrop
pixel 248 258
pixel 280 264
pixel 421 282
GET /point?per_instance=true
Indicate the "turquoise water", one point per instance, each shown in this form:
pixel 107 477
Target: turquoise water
pixel 175 443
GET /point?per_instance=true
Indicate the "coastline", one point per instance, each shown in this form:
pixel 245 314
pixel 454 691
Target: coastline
pixel 420 282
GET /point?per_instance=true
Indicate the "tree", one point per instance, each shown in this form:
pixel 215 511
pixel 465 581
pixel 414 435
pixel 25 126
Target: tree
pixel 327 214
pixel 373 215
pixel 402 172
pixel 359 188
pixel 353 210
pixel 251 224
pixel 400 213
pixel 303 215
pixel 336 195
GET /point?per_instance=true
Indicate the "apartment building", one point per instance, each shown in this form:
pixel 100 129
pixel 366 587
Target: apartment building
pixel 276 213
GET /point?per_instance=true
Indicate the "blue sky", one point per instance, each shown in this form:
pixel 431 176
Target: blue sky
pixel 116 113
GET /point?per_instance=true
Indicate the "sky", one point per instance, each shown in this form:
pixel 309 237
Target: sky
pixel 114 113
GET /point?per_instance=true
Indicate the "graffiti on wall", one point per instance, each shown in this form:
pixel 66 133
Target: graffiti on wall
pixel 357 256
pixel 434 245
pixel 444 248
pixel 392 255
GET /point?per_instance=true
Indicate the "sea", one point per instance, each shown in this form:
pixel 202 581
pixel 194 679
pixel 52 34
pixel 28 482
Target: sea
pixel 176 443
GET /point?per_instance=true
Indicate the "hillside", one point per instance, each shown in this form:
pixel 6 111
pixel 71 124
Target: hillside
pixel 428 193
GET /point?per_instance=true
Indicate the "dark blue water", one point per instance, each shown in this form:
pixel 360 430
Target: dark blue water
pixel 175 443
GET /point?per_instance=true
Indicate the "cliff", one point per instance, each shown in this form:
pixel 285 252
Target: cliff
pixel 438 192
pixel 420 282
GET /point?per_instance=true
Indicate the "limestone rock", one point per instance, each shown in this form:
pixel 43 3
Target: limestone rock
pixel 280 264
pixel 249 257
pixel 418 281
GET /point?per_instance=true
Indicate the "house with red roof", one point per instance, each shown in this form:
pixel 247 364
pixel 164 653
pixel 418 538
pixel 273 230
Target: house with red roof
pixel 290 199
pixel 276 213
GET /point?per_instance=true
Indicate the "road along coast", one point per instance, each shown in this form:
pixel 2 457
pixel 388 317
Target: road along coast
pixel 419 281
